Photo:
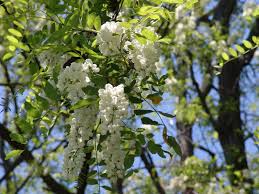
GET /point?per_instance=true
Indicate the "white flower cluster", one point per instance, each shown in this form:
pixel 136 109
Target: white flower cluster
pixel 71 81
pixel 82 125
pixel 113 157
pixel 113 107
pixel 178 184
pixel 113 38
pixel 74 78
pixel 110 38
pixel 249 8
pixel 144 56
pixel 185 24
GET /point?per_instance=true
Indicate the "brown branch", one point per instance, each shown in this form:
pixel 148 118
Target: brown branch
pixel 53 185
pixel 147 159
pixel 23 183
pixel 12 87
pixel 202 98
pixel 223 12
pixel 82 178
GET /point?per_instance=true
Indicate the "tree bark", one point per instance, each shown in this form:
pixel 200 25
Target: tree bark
pixel 230 131
pixel 184 136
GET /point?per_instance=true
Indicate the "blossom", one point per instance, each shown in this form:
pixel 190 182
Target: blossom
pixel 144 56
pixel 74 78
pixel 110 38
pixel 81 130
pixel 179 12
pixel 249 7
pixel 113 107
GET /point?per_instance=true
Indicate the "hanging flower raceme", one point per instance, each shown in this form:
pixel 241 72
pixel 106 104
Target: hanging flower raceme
pixel 81 130
pixel 144 56
pixel 110 38
pixel 114 39
pixel 113 107
pixel 74 78
pixel 117 42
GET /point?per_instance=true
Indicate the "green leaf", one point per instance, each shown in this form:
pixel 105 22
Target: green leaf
pixel 32 111
pixel 129 160
pixel 148 121
pixel 142 112
pixel 90 90
pixel 74 19
pixel 7 56
pixel 255 39
pixel 166 114
pixel 135 100
pixel 240 49
pixel 15 32
pixel 165 40
pixel 107 188
pixel 22 46
pixel 51 92
pixel 99 80
pixel 91 181
pixel 190 3
pixel 173 143
pixel 42 103
pixel 248 44
pixel 90 20
pixel 150 35
pixel 88 149
pixel 161 153
pixel 83 103
pixel 225 56
pixel 91 173
pixel 233 52
pixel 13 153
pixel 18 24
pixel 141 139
pixel 12 39
pixel 154 148
pixel 25 126
pixel 18 138
pixel 97 22
pixel 173 1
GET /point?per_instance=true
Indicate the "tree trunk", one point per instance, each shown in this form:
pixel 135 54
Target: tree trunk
pixel 230 131
pixel 184 134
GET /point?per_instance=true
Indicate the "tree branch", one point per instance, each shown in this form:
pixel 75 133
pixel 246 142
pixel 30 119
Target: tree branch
pixel 202 98
pixel 54 186
pixel 146 158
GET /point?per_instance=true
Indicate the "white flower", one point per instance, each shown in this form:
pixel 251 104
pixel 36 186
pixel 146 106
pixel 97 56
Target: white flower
pixel 74 78
pixel 145 57
pixel 179 12
pixel 249 7
pixel 184 27
pixel 113 107
pixel 110 38
pixel 81 130
pixel 177 184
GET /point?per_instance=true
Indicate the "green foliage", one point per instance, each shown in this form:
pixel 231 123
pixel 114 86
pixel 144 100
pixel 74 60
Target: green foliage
pixel 13 153
pixel 240 50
